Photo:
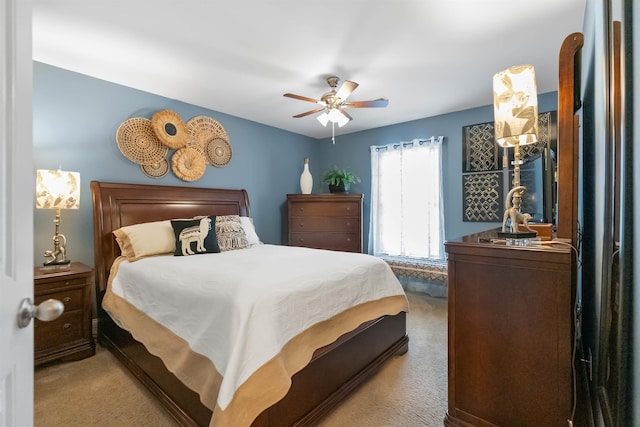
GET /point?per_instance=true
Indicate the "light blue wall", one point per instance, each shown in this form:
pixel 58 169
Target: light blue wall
pixel 75 118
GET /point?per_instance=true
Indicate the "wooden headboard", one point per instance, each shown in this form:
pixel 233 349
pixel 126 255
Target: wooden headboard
pixel 117 205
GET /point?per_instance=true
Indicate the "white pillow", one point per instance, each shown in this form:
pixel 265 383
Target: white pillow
pixel 146 239
pixel 250 231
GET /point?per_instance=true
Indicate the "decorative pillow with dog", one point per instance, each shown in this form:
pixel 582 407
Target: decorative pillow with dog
pixel 195 236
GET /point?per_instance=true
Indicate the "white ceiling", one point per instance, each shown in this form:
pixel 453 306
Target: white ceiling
pixel 428 57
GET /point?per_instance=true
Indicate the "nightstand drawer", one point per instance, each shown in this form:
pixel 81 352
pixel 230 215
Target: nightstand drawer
pixel 73 299
pixel 69 327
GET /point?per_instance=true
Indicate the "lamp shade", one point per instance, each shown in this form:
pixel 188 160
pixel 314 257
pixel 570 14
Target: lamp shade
pixel 342 120
pixel 336 116
pixel 57 189
pixel 323 118
pixel 515 101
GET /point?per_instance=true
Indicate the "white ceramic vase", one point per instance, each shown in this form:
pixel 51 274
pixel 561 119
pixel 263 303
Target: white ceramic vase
pixel 306 180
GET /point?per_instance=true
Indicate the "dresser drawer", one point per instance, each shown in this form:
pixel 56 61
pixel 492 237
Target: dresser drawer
pixel 348 242
pixel 325 223
pixel 329 209
pixel 67 328
pixel 73 299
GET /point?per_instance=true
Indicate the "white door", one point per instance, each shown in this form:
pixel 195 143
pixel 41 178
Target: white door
pixel 17 189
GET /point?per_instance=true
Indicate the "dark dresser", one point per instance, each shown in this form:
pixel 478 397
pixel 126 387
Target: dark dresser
pixel 510 334
pixel 325 221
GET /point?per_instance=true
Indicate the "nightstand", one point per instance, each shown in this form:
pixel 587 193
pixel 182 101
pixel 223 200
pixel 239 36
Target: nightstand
pixel 69 337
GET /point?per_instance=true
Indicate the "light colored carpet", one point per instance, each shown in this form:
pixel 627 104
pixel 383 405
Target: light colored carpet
pixel 96 391
pixel 409 391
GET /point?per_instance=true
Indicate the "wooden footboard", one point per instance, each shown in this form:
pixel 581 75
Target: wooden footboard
pixel 334 372
pixel 337 370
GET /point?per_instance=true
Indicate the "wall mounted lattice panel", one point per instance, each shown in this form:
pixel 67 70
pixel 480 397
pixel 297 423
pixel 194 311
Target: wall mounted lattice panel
pixel 481 154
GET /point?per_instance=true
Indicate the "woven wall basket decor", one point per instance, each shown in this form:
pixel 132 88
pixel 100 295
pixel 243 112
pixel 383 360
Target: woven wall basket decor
pixel 156 170
pixel 138 143
pixel 202 130
pixel 188 164
pixel 218 152
pixel 169 128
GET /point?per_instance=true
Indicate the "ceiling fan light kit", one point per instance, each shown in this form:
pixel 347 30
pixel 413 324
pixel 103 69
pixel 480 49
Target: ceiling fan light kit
pixel 334 116
pixel 334 102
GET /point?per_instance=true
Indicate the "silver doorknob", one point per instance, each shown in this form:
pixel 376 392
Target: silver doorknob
pixel 46 311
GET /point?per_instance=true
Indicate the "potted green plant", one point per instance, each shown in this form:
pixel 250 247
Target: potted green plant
pixel 339 180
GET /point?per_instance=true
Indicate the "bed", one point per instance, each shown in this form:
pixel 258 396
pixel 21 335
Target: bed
pixel 335 369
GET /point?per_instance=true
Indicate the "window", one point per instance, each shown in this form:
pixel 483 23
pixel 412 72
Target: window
pixel 406 200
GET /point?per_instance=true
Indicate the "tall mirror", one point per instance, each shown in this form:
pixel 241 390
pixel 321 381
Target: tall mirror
pixel 538 172
pixel 614 397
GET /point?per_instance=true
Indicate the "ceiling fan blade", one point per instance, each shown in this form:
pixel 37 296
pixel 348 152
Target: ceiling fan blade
pixel 303 98
pixel 381 102
pixel 345 113
pixel 346 89
pixel 317 110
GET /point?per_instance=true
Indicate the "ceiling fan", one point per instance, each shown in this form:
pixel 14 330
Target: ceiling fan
pixel 334 102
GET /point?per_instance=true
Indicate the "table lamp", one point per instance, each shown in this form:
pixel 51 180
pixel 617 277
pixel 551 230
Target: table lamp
pixel 57 189
pixel 515 101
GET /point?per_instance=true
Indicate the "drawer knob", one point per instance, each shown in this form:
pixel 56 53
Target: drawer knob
pixel 348 239
pixel 66 326
pixel 301 209
pixel 67 300
pixel 67 283
pixel 348 224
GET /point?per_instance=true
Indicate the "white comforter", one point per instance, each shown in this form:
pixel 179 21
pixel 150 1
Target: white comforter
pixel 239 308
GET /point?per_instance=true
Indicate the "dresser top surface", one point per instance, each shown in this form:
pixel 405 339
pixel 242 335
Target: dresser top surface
pixel 41 272
pixel 335 197
pixel 489 241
